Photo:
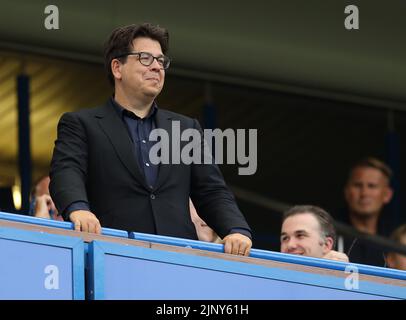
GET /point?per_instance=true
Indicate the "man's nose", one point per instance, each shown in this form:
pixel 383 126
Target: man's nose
pixel 155 66
pixel 291 244
pixel 364 190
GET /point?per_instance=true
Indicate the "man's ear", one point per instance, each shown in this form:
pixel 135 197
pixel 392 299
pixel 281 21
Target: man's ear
pixel 388 195
pixel 115 66
pixel 328 244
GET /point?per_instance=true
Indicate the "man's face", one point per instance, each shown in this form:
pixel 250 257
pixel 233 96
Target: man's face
pixel 138 80
pixel 396 260
pixel 301 235
pixel 367 191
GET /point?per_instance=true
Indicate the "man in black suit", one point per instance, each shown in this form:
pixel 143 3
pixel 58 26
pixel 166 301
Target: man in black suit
pixel 101 172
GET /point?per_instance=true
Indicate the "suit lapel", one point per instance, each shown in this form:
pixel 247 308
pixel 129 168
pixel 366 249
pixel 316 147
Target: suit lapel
pixel 114 128
pixel 164 121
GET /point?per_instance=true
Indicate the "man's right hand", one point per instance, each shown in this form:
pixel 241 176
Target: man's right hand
pixel 85 221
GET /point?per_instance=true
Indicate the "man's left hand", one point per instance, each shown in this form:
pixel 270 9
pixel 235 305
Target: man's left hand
pixel 237 243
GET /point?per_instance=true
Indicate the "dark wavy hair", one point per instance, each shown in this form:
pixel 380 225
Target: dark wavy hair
pixel 121 40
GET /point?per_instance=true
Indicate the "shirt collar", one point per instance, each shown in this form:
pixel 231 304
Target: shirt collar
pixel 124 112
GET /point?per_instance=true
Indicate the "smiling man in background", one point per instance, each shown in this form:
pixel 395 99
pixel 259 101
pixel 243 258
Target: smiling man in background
pixel 309 231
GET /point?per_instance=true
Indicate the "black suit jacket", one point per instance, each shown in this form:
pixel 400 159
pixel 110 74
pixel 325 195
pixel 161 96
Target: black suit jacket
pixel 94 161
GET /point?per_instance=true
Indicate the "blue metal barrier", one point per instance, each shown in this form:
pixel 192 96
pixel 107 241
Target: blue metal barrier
pixel 130 272
pixel 56 224
pixel 275 256
pixel 36 265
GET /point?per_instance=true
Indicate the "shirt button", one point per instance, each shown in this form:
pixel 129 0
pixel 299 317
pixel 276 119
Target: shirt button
pixel 143 141
pixel 147 164
pixel 152 196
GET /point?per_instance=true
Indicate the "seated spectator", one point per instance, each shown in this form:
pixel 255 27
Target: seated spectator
pixel 42 205
pixel 204 232
pixel 309 231
pixel 397 260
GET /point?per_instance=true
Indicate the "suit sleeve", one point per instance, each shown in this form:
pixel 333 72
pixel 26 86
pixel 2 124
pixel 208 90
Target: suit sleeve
pixel 69 163
pixel 213 200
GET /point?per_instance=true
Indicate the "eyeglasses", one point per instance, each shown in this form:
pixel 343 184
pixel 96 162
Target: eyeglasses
pixel 147 59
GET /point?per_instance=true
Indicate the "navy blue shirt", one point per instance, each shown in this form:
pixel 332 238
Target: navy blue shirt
pixel 139 130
